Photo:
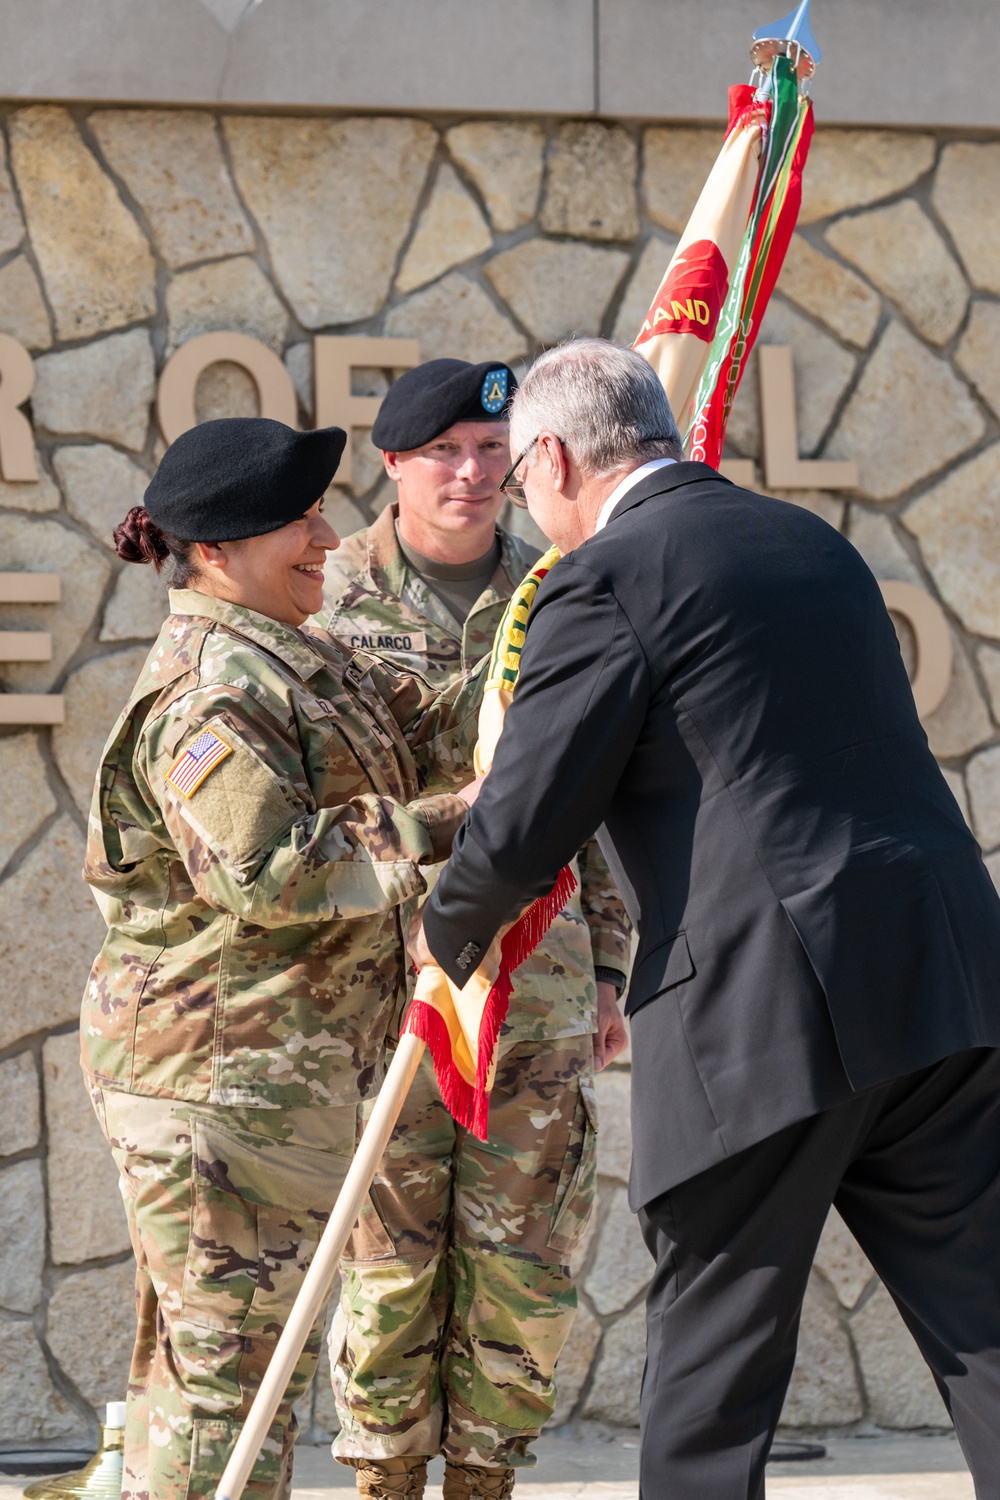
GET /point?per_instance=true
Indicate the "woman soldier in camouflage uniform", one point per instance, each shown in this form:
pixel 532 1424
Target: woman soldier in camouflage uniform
pixel 256 834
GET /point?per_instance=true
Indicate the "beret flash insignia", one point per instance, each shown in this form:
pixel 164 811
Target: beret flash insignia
pixel 494 392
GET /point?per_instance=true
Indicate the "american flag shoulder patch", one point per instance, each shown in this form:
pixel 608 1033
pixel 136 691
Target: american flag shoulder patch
pixel 196 760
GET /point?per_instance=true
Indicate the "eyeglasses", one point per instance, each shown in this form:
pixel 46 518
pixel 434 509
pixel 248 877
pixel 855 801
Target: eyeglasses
pixel 509 486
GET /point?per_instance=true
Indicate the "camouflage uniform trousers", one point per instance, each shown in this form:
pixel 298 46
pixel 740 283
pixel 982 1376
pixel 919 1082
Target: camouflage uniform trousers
pixel 225 1207
pixel 457 1297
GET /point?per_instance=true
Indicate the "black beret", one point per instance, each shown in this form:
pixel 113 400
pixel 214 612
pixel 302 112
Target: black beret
pixel 426 401
pixel 241 476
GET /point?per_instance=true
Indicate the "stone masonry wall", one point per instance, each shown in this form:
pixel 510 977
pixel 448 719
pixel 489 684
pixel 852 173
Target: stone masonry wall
pixel 123 233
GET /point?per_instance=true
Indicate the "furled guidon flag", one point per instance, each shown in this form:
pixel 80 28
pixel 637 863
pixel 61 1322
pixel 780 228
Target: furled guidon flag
pixel 461 1026
pixel 707 312
pixel 677 332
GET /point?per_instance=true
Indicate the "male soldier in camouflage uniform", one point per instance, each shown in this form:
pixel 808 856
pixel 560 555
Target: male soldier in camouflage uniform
pixel 257 836
pixel 457 1297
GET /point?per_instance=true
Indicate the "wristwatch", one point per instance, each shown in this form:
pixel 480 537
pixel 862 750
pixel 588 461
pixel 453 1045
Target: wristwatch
pixel 605 975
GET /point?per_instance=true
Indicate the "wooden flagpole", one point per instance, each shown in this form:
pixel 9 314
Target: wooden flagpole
pixel 316 1284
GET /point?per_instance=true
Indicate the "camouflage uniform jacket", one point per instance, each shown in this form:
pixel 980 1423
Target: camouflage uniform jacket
pixel 376 602
pixel 254 953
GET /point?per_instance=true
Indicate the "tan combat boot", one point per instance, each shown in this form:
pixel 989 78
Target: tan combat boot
pixel 470 1482
pixel 389 1478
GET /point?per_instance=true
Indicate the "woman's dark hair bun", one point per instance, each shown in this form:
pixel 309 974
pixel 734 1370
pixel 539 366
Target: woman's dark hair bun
pixel 139 540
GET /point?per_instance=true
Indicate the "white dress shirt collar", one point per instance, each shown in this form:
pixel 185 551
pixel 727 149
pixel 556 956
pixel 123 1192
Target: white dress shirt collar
pixel 622 488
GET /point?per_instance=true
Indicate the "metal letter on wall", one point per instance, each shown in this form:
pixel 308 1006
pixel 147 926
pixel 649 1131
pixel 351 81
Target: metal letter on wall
pixel 17 381
pixel 931 636
pixel 783 468
pixel 175 398
pixel 29 645
pixel 333 360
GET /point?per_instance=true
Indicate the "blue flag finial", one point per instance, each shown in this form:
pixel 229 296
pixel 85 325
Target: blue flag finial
pixel 791 30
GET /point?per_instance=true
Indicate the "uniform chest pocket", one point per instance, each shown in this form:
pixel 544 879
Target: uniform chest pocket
pixel 354 758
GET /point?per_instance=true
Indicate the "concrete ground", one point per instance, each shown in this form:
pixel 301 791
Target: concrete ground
pixel 593 1463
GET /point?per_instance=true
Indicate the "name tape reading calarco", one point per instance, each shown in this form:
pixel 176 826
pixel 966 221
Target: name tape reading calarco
pixel 409 641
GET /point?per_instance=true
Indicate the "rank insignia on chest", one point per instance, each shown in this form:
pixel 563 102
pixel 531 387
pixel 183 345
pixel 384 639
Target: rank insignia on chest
pixel 196 761
pixel 494 392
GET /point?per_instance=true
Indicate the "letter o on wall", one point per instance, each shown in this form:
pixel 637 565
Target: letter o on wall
pixel 932 636
pixel 178 383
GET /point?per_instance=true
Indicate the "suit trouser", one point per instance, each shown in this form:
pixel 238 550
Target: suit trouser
pixel 913 1167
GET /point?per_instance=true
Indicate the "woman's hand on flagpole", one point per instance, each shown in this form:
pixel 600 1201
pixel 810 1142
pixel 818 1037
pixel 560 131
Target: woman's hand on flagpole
pixel 610 1038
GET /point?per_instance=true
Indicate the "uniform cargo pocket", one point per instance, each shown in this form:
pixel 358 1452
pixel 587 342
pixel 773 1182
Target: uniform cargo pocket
pixel 258 1208
pixel 578 1180
pixel 370 1238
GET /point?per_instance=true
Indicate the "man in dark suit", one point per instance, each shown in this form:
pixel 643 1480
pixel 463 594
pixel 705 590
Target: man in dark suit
pixel 711 677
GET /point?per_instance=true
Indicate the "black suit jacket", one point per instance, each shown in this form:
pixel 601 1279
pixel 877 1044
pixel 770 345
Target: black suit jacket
pixel 715 680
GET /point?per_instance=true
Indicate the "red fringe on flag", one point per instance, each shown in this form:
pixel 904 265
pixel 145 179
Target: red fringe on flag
pixel 470 1106
pixel 744 107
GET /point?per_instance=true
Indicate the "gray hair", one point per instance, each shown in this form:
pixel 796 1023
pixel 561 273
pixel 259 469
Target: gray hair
pixel 603 400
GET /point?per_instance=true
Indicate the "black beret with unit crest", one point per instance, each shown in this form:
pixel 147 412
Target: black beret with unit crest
pixel 429 399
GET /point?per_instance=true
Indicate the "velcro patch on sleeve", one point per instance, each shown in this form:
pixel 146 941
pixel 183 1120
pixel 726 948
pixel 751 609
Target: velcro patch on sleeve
pixel 241 804
pixel 197 760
